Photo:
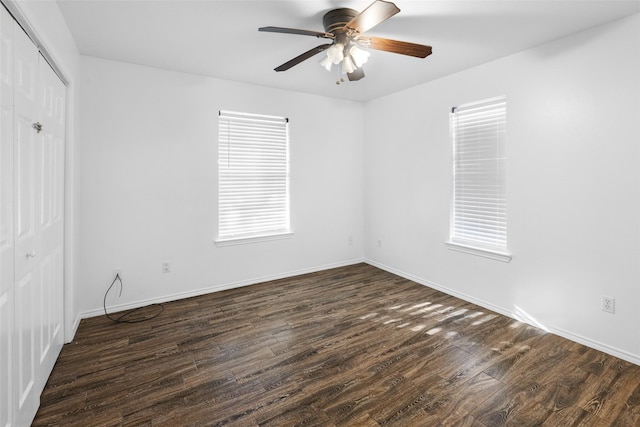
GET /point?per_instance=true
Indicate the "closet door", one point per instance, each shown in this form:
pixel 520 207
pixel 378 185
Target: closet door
pixel 27 185
pixel 50 142
pixel 32 135
pixel 7 409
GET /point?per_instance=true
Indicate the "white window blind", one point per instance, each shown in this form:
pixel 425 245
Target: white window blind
pixel 479 208
pixel 253 176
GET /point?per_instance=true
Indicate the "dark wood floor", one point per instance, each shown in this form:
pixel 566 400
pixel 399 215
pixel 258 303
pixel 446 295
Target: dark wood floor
pixel 353 346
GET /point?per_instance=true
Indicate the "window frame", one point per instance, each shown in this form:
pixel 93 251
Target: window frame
pixel 469 233
pixel 281 169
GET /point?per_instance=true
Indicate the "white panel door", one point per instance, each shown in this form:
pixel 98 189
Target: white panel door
pixel 6 220
pixel 32 135
pixel 50 217
pixel 27 184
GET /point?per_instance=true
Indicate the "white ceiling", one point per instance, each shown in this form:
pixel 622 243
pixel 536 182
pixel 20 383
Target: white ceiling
pixel 220 38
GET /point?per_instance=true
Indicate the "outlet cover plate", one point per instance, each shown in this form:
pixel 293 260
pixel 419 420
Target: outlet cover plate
pixel 608 304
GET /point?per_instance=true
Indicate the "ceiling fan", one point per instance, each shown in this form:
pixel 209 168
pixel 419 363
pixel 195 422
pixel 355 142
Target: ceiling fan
pixel 346 27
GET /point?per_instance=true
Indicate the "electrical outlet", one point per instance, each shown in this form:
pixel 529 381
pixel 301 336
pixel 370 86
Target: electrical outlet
pixel 166 267
pixel 350 241
pixel 608 304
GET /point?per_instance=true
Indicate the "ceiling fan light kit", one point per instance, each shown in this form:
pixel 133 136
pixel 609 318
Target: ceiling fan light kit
pixel 359 56
pixel 346 27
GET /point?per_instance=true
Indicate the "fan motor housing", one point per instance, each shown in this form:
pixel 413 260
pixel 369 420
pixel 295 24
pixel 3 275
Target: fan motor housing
pixel 336 19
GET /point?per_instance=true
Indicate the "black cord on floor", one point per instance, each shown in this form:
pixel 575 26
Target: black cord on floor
pixel 122 317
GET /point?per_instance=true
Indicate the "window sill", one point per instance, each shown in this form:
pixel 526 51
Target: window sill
pixel 253 239
pixel 486 253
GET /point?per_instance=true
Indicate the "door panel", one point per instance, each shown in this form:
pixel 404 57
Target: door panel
pixel 27 185
pixel 44 301
pixel 51 224
pixel 25 152
pixel 7 299
pixel 47 178
pixel 6 357
pixel 6 176
pixel 58 300
pixel 24 327
pixel 32 135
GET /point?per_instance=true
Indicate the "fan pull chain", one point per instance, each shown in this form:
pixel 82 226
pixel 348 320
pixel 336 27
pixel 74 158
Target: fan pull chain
pixel 340 79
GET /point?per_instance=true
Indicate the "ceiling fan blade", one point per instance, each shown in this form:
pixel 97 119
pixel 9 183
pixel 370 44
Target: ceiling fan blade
pixel 298 59
pixel 319 34
pixel 395 46
pixel 377 12
pixel 356 75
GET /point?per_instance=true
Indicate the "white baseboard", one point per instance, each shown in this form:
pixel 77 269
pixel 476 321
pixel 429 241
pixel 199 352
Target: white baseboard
pixel 216 288
pixel 68 337
pixel 624 355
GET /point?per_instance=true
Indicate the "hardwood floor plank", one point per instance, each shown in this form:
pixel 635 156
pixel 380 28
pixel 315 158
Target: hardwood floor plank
pixel 455 403
pixel 352 346
pixel 607 397
pixel 630 412
pixel 577 417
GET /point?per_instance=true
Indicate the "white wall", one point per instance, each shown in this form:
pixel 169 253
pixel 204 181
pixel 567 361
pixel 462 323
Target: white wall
pixel 573 184
pixel 147 193
pixel 149 184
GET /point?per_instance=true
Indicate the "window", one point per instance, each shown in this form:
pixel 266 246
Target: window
pixel 479 208
pixel 253 177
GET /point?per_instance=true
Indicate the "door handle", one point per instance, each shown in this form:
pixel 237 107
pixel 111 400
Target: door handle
pixel 37 126
pixel 30 255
